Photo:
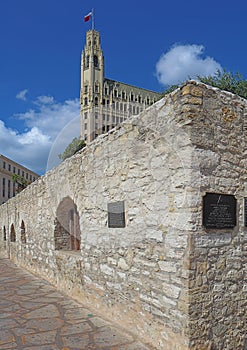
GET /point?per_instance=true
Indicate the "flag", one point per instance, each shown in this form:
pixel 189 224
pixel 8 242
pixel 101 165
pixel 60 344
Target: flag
pixel 88 16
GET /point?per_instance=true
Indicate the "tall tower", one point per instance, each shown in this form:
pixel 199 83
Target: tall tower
pixel 92 80
pixel 105 103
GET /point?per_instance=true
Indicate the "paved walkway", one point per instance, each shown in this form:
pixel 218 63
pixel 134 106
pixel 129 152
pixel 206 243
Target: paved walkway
pixel 35 316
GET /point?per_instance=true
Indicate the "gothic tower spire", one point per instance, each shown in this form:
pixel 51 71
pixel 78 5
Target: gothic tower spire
pixel 92 79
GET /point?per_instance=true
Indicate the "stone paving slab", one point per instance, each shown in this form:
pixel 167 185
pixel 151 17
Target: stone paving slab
pixel 35 316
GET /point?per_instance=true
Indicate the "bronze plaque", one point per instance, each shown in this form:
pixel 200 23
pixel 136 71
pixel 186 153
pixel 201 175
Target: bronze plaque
pixel 219 211
pixel 116 215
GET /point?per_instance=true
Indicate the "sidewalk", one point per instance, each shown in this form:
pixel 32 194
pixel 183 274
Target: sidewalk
pixel 35 316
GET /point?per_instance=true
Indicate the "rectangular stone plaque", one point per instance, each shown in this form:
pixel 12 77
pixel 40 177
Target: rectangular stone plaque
pixel 245 212
pixel 219 211
pixel 116 214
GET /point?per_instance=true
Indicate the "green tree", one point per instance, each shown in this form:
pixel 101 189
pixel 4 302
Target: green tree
pixel 232 82
pixel 76 145
pixel 20 181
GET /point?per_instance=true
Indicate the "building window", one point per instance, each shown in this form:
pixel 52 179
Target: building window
pixel 106 90
pixel 96 88
pixel 3 187
pixel 131 97
pixel 96 115
pixel 103 116
pixel 87 61
pixel 19 171
pixel 85 101
pixel 123 95
pixel 14 169
pixel 85 137
pixel 86 89
pixel 95 61
pixel 23 174
pixel 85 126
pixel 4 165
pixel 9 167
pixel 96 101
pixel 85 115
pixel 9 189
pixel 115 93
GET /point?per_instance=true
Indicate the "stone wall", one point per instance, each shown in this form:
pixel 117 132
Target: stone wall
pixel 218 275
pixel 164 276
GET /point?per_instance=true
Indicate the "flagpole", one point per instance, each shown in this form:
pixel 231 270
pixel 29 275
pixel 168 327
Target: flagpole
pixel 92 19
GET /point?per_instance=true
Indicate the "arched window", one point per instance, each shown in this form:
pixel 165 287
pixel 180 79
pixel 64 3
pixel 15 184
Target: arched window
pixel 87 61
pixel 67 234
pixel 12 234
pixel 23 233
pixel 95 61
pixel 4 233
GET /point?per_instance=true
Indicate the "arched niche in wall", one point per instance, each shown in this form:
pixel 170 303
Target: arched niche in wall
pixel 12 233
pixel 4 233
pixel 23 233
pixel 67 234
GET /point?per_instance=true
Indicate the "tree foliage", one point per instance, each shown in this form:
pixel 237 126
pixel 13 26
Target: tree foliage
pixel 227 81
pixel 232 82
pixel 20 181
pixel 76 145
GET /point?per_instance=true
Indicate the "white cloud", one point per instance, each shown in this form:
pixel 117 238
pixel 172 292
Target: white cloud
pixel 22 95
pixel 44 123
pixel 46 100
pixel 30 148
pixel 50 116
pixel 183 62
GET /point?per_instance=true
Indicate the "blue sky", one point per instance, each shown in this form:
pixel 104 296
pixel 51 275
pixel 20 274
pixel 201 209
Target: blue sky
pixel 147 44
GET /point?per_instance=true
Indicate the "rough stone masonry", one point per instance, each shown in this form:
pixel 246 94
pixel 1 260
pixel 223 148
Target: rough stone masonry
pixel 155 269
